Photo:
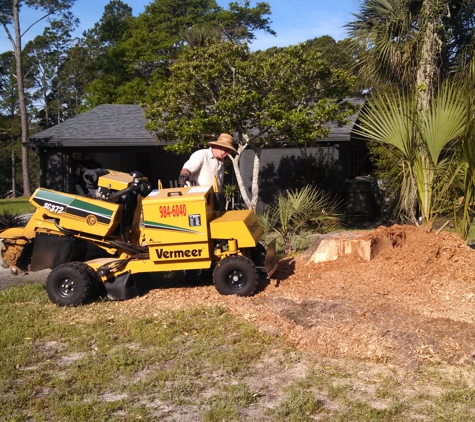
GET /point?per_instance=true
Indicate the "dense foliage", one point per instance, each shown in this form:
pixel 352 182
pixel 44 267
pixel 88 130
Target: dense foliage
pixel 268 98
pixel 408 54
pixel 10 19
pixel 116 61
pixel 300 210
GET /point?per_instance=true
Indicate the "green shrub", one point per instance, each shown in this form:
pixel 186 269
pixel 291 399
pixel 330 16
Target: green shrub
pixel 301 210
pixel 10 219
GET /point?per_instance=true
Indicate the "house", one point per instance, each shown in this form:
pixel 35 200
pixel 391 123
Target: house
pixel 108 136
pixel 114 136
pixel 343 148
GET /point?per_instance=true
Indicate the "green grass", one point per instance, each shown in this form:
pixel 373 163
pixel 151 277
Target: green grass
pixel 16 205
pixel 102 363
pixel 58 364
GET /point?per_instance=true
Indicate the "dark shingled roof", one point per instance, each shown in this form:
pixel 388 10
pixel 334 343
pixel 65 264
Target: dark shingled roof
pixel 104 125
pixel 124 125
pixel 342 133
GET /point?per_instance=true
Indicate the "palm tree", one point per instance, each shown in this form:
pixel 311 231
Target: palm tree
pixel 383 55
pixel 413 46
pixel 411 43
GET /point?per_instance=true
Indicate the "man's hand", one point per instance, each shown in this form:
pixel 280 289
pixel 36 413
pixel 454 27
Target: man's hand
pixel 182 179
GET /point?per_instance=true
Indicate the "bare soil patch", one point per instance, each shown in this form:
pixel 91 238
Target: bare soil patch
pixel 410 304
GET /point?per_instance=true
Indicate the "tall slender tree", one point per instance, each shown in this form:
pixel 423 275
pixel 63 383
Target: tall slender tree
pixel 77 71
pixel 10 16
pixel 9 115
pixel 106 64
pixel 44 57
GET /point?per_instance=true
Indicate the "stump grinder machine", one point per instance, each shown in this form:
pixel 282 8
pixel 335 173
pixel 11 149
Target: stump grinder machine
pixel 97 243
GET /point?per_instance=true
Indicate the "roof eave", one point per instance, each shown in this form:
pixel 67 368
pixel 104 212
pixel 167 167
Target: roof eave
pixel 88 142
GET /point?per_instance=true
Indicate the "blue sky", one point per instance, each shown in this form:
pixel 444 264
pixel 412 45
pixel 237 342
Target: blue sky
pixel 294 21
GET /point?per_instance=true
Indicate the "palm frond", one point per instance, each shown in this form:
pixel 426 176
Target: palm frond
pixel 389 118
pixel 468 141
pixel 444 120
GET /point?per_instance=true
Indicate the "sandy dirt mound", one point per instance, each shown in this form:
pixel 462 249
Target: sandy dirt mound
pixel 412 303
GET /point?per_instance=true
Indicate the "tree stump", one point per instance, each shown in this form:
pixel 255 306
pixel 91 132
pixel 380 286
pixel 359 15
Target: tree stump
pixel 329 247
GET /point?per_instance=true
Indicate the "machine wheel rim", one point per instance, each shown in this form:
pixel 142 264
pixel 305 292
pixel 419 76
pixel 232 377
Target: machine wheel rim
pixel 66 287
pixel 236 279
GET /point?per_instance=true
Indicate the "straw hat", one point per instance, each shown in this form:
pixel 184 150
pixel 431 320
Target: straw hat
pixel 224 141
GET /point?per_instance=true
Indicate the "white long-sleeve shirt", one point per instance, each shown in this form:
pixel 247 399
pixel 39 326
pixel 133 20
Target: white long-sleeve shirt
pixel 203 166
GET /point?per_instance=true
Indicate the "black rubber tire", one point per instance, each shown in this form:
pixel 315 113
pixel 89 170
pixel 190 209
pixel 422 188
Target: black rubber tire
pixel 71 284
pixel 98 288
pixel 236 275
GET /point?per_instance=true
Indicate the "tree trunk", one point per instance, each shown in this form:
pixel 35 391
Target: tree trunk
pixel 251 203
pixel 240 182
pixel 427 70
pixel 45 101
pixel 426 83
pixel 13 172
pixel 255 177
pixel 22 101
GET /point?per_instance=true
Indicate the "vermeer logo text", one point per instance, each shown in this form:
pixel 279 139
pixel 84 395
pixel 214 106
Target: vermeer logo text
pixel 188 253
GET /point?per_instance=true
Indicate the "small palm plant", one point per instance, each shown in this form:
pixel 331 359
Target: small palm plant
pixel 297 211
pixel 10 219
pixel 229 192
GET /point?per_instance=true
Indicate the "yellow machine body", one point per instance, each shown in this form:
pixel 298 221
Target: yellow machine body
pixel 74 212
pixel 242 222
pixel 178 216
pixel 123 227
